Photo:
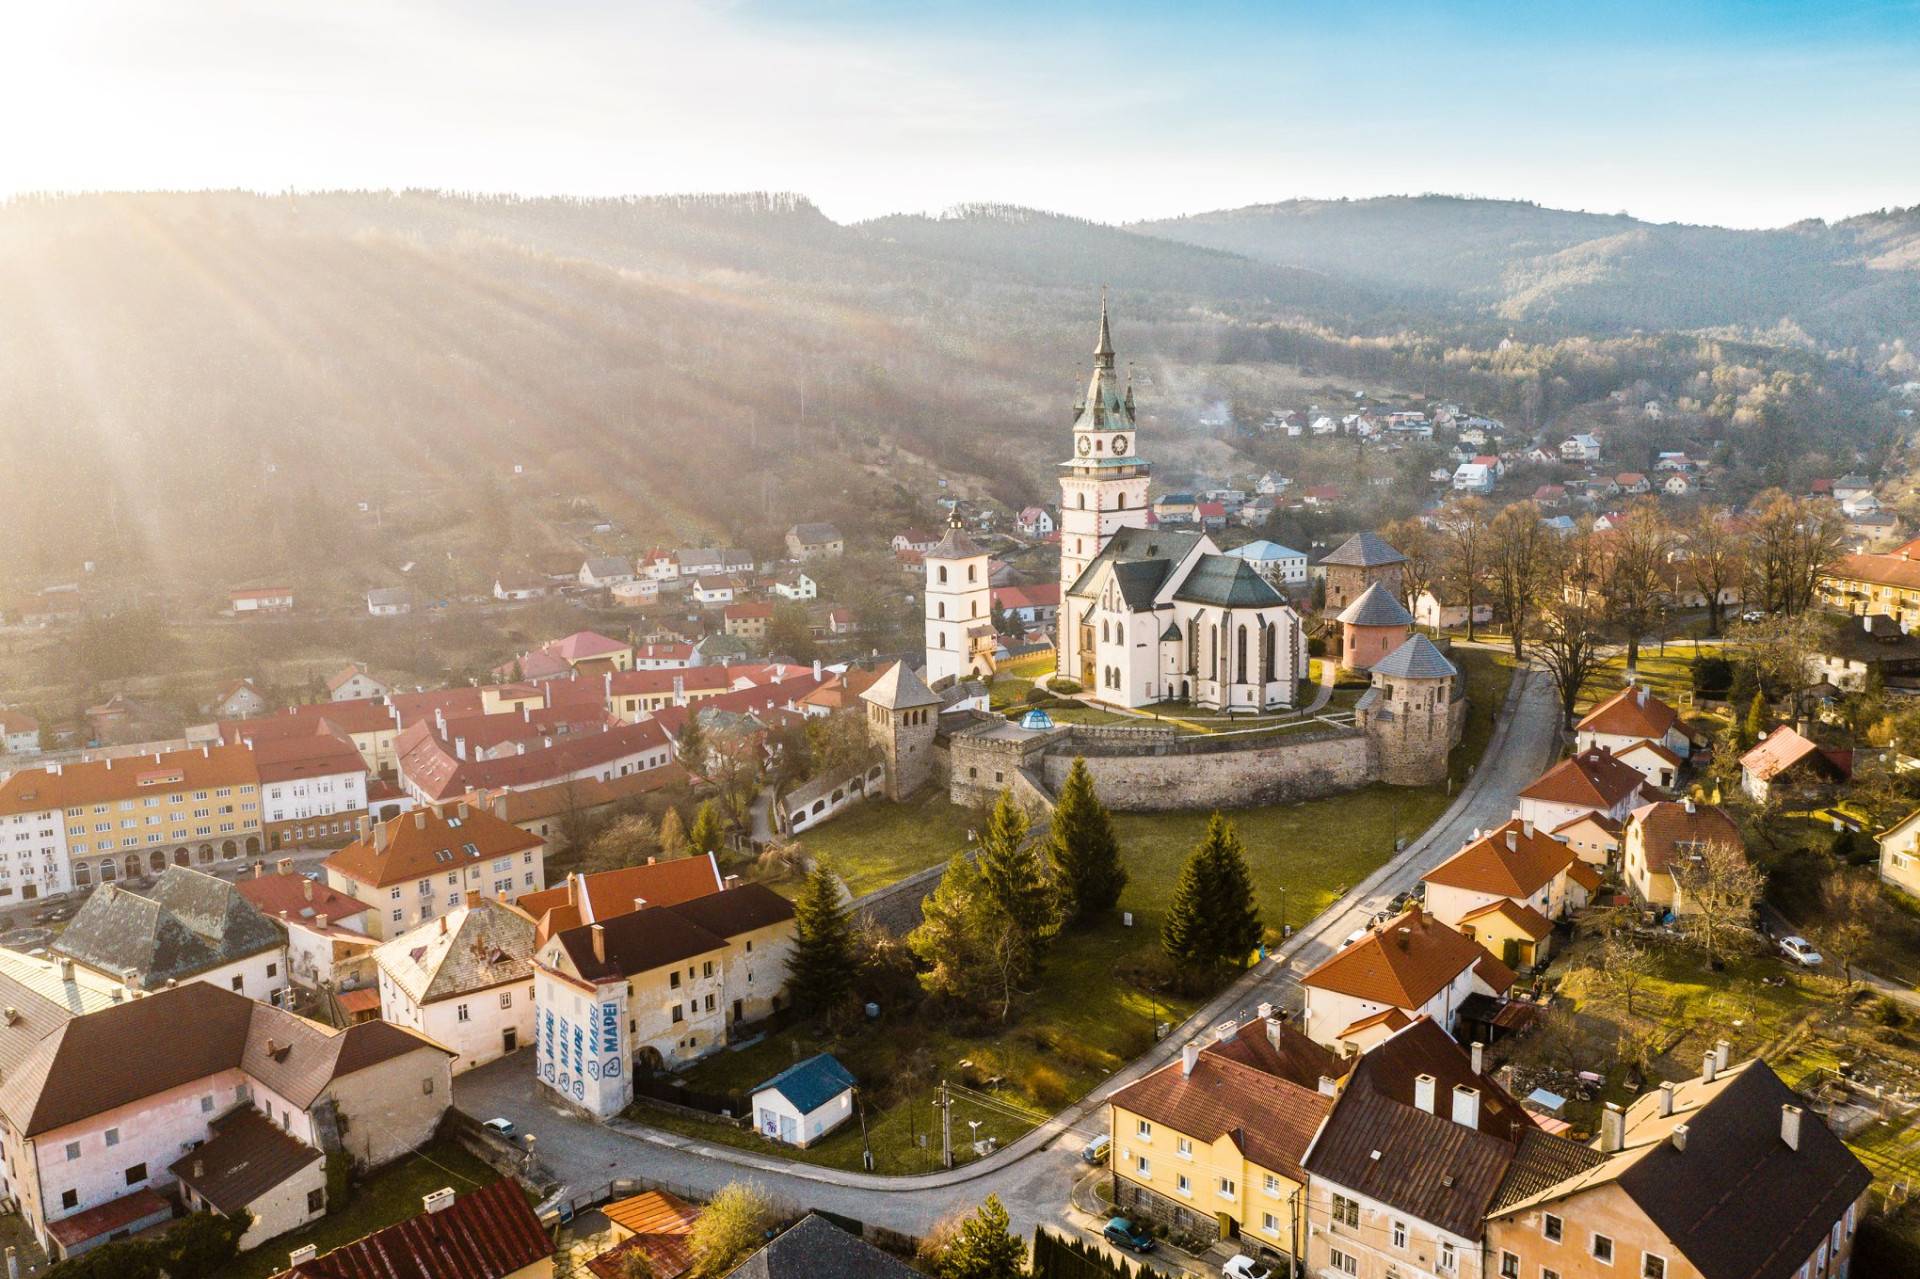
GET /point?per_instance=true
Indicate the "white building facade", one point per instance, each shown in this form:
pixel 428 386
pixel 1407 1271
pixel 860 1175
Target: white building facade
pixel 959 608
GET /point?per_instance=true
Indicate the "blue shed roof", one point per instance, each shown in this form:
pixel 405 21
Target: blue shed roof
pixel 811 1084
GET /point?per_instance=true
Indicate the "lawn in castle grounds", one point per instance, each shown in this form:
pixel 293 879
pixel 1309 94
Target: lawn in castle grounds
pixel 1085 1020
pixel 880 842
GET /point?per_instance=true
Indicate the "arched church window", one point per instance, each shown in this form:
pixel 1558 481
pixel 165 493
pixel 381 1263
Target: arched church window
pixel 976 608
pixel 943 572
pixel 1213 648
pixel 940 609
pixel 1240 655
pixel 973 572
pixel 1273 635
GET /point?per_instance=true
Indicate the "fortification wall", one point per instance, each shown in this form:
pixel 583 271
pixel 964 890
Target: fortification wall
pixel 1148 775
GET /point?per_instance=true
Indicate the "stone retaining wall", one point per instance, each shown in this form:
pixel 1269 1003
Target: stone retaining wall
pixel 1218 772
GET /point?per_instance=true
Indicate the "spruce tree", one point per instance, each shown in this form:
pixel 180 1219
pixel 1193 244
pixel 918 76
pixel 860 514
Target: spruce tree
pixel 1756 720
pixel 985 1247
pixel 823 967
pixel 1011 873
pixel 949 939
pixel 1084 851
pixel 691 745
pixel 707 830
pixel 1212 921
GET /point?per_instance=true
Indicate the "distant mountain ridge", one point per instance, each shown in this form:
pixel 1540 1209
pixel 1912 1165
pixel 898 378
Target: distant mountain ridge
pixel 1849 283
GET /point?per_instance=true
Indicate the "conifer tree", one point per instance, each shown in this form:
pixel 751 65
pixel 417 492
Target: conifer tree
pixel 673 834
pixel 1084 851
pixel 1012 875
pixel 985 1247
pixel 707 830
pixel 1212 921
pixel 823 967
pixel 949 939
pixel 690 746
pixel 1756 720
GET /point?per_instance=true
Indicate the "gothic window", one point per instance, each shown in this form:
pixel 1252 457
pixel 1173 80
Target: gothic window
pixel 1104 634
pixel 973 572
pixel 1240 655
pixel 939 639
pixel 1213 649
pixel 1273 636
pixel 1193 647
pixel 943 572
pixel 941 608
pixel 976 608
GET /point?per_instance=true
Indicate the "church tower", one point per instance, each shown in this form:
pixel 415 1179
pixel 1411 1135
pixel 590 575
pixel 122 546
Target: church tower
pixel 1103 485
pixel 959 607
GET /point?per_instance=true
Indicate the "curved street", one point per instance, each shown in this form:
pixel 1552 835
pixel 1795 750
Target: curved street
pixel 1034 1175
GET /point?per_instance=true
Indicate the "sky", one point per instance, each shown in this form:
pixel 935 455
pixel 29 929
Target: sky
pixel 1741 114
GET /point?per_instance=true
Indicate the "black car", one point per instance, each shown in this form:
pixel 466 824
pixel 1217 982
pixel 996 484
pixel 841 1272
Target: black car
pixel 1122 1232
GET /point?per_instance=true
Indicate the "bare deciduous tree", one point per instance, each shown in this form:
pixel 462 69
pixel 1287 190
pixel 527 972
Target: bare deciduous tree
pixel 1716 889
pixel 1463 532
pixel 1519 549
pixel 1623 966
pixel 1792 539
pixel 1714 563
pixel 1633 561
pixel 1569 647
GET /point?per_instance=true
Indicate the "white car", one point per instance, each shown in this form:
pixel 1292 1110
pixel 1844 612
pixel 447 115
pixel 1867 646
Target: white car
pixel 1358 934
pixel 1245 1267
pixel 1800 951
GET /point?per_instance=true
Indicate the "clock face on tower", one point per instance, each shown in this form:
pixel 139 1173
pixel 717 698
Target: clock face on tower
pixel 1119 446
pixel 1086 445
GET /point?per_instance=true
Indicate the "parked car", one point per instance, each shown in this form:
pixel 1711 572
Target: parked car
pixel 1358 934
pixel 1123 1233
pixel 1800 951
pixel 1753 615
pixel 1245 1267
pixel 1095 1151
pixel 500 1127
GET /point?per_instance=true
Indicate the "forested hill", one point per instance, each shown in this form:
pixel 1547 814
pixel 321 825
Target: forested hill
pixel 1852 283
pixel 174 367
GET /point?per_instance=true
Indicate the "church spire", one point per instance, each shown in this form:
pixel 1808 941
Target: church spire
pixel 1103 349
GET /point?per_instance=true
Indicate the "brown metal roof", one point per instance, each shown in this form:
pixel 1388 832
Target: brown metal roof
pixel 647 939
pixel 486 1234
pixel 244 1158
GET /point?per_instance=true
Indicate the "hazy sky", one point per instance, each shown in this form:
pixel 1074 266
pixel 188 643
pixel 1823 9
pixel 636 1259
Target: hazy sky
pixel 1745 114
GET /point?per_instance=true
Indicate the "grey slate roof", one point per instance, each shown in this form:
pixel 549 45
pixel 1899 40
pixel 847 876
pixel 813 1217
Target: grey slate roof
pixel 485 944
pixel 812 1083
pixel 816 1248
pixel 1140 580
pixel 187 924
pixel 1227 582
pixel 1376 607
pixel 815 534
pixel 1137 544
pixel 900 689
pixel 1366 549
pixel 1418 658
pixel 956 545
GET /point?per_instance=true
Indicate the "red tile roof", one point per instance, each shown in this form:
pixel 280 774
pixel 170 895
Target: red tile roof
pixel 1631 712
pixel 484 1234
pixel 1038 595
pixel 1272 1120
pixel 106 1218
pixel 414 841
pixel 1783 748
pixel 1668 830
pixel 1593 778
pixel 297 898
pixel 1402 964
pixel 323 753
pixel 1516 859
pixel 611 893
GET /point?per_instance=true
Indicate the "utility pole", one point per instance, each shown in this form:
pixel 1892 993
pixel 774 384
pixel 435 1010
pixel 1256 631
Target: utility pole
pixel 946 1126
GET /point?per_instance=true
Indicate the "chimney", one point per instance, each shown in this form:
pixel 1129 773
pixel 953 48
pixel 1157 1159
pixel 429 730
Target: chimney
pixel 420 819
pixel 1526 828
pixel 1329 1086
pixel 1274 1025
pixel 304 1253
pixel 459 748
pixel 66 970
pixel 1790 1126
pixel 1666 1099
pixel 1687 803
pixel 379 837
pixel 259 869
pixel 439 1200
pixel 306 888
pixel 1679 1136
pixel 1189 1058
pixel 816 668
pixel 1613 1129
pixel 1466 1106
pixel 321 920
pixel 1513 840
pixel 285 866
pixel 1642 694
pixel 462 812
pixel 1720 1050
pixel 1423 1092
pixel 500 807
pixel 1707 1068
pixel 1479 1053
pixel 1226 1030
pixel 443 925
pixel 199 1170
pixel 526 713
pixel 599 944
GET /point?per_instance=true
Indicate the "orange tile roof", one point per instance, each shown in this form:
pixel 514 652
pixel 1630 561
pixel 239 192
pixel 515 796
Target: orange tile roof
pixel 1895 569
pixel 1601 820
pixel 1776 753
pixel 1526 918
pixel 1631 712
pixel 415 841
pixel 297 898
pixel 1651 746
pixel 1667 830
pixel 323 753
pixel 1584 875
pixel 98 781
pixel 609 894
pixel 1402 964
pixel 1393 1019
pixel 588 793
pixel 584 644
pixel 1516 859
pixel 1593 777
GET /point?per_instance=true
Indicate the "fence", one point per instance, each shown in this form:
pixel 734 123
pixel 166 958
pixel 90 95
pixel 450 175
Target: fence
pixel 673 1093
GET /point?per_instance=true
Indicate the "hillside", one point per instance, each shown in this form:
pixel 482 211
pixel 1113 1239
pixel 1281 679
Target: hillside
pixel 1853 283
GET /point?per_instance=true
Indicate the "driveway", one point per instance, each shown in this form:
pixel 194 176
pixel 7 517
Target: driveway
pixel 1034 1175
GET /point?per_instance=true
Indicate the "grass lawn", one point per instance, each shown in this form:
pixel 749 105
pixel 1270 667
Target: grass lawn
pixel 880 842
pixel 1088 1018
pixel 390 1195
pixel 1669 675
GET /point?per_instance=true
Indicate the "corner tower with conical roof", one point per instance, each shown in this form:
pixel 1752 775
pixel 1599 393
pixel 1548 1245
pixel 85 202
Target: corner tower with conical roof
pixel 1103 486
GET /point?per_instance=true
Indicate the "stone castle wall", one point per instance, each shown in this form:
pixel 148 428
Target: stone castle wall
pixel 1216 772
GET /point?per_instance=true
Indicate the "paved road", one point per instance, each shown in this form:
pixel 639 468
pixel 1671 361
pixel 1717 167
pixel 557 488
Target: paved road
pixel 1033 1175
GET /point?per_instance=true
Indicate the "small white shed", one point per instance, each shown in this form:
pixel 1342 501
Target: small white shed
pixel 805 1102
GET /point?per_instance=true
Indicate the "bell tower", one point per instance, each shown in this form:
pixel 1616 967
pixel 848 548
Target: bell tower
pixel 959 605
pixel 1103 484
